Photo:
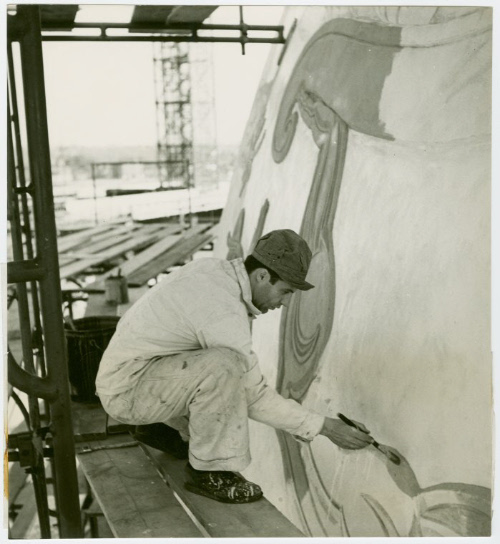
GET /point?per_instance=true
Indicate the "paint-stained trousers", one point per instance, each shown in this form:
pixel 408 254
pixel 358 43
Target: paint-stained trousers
pixel 199 393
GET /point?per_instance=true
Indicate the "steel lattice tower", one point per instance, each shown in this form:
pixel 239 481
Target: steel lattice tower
pixel 185 110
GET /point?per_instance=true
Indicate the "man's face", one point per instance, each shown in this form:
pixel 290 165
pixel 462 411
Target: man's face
pixel 267 296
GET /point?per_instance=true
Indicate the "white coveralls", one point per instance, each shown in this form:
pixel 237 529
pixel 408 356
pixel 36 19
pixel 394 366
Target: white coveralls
pixel 182 355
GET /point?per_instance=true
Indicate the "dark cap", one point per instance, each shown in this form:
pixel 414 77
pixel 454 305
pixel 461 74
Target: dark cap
pixel 287 254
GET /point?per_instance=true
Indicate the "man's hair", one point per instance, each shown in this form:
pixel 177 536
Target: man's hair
pixel 251 264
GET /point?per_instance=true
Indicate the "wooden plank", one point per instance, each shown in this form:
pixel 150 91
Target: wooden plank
pixel 179 253
pixel 91 246
pixel 108 240
pixel 61 16
pixel 103 240
pixel 143 15
pixel 129 244
pixel 183 249
pixel 95 515
pixel 190 14
pixel 66 258
pixel 219 520
pixel 133 497
pixel 168 238
pixel 89 422
pixel 76 255
pixel 157 227
pixel 143 259
pixel 92 249
pixel 103 528
pixel 64 243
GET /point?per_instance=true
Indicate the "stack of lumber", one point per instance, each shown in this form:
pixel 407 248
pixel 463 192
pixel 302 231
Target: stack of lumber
pixel 172 248
pixel 81 251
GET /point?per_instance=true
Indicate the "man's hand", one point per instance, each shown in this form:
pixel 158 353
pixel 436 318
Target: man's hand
pixel 360 426
pixel 345 436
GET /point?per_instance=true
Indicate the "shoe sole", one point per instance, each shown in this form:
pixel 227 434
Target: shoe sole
pixel 200 491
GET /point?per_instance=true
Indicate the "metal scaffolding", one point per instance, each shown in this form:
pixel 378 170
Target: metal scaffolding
pixel 33 273
pixel 174 114
pixel 185 109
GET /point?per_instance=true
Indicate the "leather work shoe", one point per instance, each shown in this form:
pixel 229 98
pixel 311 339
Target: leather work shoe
pixel 223 486
pixel 162 437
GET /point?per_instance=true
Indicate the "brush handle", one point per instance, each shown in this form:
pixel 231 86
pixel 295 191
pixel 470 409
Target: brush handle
pixel 351 423
pixel 391 456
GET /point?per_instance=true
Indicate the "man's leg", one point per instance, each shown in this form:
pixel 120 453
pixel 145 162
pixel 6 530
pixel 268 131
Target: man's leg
pixel 204 386
pixel 163 437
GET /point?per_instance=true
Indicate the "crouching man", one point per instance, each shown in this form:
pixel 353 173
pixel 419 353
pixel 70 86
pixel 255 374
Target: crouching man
pixel 181 367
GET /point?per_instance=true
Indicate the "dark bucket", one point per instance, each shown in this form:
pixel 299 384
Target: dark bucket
pixel 86 344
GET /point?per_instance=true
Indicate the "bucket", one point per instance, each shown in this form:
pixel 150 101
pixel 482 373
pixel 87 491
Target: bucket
pixel 85 345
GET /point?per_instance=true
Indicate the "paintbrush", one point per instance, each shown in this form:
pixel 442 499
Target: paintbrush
pixel 383 449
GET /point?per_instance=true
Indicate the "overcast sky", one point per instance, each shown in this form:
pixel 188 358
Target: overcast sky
pixel 102 94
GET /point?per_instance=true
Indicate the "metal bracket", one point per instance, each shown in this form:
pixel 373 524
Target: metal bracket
pixel 26 451
pixel 23 447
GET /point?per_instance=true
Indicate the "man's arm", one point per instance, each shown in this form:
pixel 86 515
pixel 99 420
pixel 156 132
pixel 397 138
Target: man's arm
pixel 268 406
pixel 265 404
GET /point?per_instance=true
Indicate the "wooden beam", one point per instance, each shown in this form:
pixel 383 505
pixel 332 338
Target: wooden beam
pixel 97 521
pixel 61 16
pixel 193 240
pixel 87 247
pixel 167 238
pixel 64 243
pixel 134 499
pixel 106 239
pixel 221 520
pixel 190 14
pixel 125 243
pixel 143 15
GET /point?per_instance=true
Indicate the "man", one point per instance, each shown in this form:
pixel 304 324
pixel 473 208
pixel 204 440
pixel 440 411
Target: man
pixel 182 358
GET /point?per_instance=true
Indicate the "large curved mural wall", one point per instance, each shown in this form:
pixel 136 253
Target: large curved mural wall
pixel 371 137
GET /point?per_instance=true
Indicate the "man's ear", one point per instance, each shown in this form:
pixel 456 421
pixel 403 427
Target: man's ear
pixel 262 275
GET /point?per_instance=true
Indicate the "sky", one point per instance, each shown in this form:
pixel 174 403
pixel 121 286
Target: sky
pixel 102 94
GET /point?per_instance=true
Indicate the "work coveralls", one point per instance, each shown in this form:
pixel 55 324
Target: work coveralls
pixel 182 355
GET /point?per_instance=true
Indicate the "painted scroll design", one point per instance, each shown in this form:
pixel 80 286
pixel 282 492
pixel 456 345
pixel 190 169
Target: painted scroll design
pixel 325 105
pixel 256 134
pixel 307 323
pixel 446 509
pixel 259 229
pixel 235 248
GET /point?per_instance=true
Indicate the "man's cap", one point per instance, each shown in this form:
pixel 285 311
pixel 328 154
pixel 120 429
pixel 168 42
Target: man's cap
pixel 287 254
